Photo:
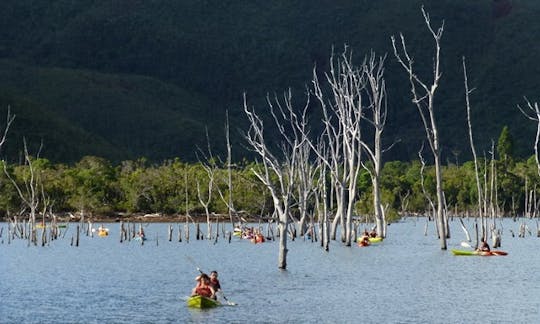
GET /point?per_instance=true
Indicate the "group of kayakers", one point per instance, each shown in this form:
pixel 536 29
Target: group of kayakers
pixel 207 286
pixel 364 239
pixel 250 233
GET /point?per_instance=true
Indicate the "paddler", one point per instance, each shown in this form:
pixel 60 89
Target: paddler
pixel 364 240
pixel 203 287
pixel 483 246
pixel 214 282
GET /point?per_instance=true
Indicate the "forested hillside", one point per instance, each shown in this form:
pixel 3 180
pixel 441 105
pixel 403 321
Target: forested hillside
pixel 129 78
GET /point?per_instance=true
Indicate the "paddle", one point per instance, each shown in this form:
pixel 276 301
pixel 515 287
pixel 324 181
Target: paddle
pixel 230 303
pixel 467 245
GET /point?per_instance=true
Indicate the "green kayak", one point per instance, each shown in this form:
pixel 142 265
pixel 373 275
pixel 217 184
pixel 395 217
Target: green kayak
pixel 202 302
pixel 478 253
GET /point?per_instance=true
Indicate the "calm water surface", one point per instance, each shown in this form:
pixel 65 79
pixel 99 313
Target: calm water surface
pixel 406 279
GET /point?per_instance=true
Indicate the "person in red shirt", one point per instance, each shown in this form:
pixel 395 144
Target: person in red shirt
pixel 203 287
pixel 483 246
pixel 214 281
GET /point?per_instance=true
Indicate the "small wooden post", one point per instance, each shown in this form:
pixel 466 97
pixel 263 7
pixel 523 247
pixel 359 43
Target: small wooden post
pixel 77 236
pixel 179 233
pixel 121 231
pixel 89 229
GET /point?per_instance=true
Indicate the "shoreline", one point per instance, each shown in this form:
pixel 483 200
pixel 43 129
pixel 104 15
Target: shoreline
pixel 137 218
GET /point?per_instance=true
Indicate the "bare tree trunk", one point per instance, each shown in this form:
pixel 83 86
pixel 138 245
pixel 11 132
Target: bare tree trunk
pixel 230 206
pixel 279 167
pixel 480 198
pixel 424 100
pixel 342 113
pixel 29 193
pixel 228 200
pixel 535 116
pixel 282 258
pixel 377 96
pixel 210 167
pixel 305 175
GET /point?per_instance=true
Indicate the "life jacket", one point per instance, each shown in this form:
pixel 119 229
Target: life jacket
pixel 215 284
pixel 204 291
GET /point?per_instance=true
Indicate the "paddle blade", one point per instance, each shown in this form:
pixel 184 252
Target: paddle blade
pixel 465 244
pixel 227 301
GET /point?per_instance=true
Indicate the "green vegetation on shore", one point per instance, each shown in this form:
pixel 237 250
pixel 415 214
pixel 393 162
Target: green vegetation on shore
pixel 98 187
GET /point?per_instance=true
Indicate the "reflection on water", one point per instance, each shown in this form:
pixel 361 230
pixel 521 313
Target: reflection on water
pixel 405 279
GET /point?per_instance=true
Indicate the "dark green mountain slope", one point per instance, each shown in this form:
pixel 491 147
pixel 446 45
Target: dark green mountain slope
pixel 49 134
pixel 197 57
pixel 116 116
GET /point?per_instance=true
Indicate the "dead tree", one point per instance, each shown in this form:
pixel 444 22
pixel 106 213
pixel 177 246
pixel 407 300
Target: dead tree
pixel 480 197
pixel 424 98
pixel 321 200
pixel 305 177
pixel 376 92
pixel 209 165
pixel 433 210
pixel 535 116
pixel 28 192
pixel 229 201
pixel 9 119
pixel 277 164
pixel 227 198
pixel 342 114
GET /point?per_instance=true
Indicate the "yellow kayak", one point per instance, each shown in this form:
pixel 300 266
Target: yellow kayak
pixel 103 232
pixel 377 239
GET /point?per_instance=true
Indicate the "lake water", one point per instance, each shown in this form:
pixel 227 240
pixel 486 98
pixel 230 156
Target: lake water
pixel 405 279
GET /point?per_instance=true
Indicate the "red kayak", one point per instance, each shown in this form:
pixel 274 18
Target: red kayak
pixel 494 252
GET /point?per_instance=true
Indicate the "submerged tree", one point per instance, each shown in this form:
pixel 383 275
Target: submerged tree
pixel 342 115
pixel 535 116
pixel 480 196
pixel 31 187
pixel 376 92
pixel 279 161
pixel 210 167
pixel 424 98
